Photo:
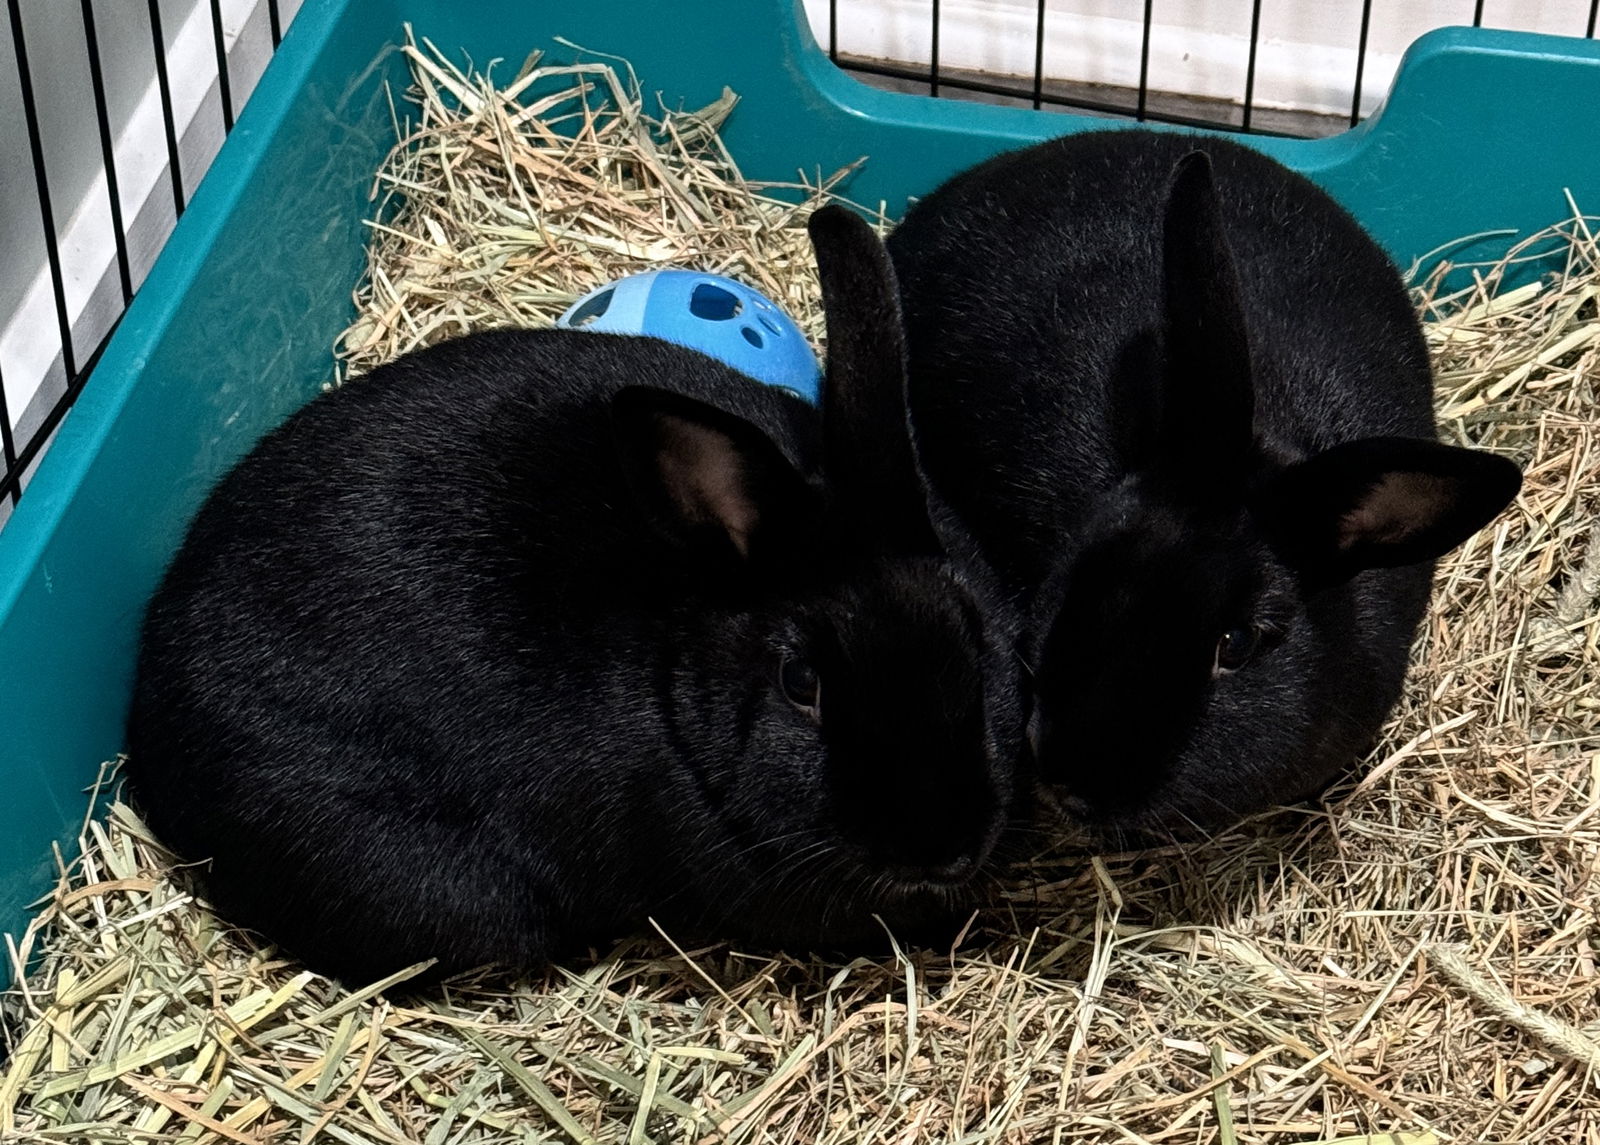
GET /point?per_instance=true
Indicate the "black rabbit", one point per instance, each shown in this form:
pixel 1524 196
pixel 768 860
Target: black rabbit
pixel 530 636
pixel 1183 404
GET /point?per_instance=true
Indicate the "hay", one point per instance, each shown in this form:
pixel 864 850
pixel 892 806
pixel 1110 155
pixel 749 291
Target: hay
pixel 1410 962
pixel 497 212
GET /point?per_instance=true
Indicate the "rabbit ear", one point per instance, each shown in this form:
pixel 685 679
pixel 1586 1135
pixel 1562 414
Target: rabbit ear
pixel 707 478
pixel 874 481
pixel 1207 400
pixel 1380 502
pixel 1135 410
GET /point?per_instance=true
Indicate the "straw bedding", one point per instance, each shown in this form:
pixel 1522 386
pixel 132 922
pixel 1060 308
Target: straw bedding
pixel 1412 960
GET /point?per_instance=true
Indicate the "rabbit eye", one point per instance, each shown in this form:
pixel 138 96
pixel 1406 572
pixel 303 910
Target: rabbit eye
pixel 799 682
pixel 1236 646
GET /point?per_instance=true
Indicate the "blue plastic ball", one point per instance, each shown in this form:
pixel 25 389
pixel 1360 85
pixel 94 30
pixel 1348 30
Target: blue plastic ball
pixel 719 317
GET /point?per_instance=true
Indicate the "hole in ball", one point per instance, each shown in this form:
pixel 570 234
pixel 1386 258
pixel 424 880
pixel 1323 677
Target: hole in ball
pixel 592 309
pixel 711 302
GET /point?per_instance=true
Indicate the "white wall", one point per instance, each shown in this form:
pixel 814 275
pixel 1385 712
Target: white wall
pixel 1306 59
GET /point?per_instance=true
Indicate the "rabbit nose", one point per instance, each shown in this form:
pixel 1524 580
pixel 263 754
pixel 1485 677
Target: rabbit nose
pixel 1074 807
pixel 954 871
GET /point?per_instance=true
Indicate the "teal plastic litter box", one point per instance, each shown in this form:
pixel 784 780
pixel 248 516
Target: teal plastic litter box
pixel 1483 131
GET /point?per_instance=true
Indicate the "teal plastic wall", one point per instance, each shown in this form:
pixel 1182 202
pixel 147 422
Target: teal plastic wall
pixel 1482 132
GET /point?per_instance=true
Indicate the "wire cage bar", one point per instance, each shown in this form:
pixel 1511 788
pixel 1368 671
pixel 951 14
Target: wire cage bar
pixel 41 182
pixel 108 158
pixel 224 84
pixel 8 445
pixel 168 120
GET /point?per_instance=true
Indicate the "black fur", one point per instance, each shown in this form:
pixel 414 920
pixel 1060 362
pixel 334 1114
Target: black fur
pixel 1182 401
pixel 478 658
